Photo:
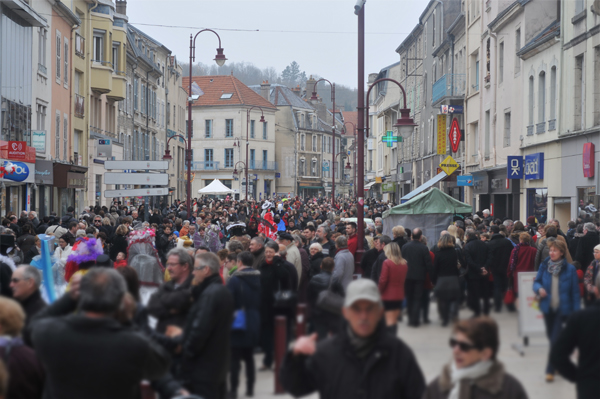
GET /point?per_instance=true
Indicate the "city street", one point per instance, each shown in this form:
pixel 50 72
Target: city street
pixel 430 344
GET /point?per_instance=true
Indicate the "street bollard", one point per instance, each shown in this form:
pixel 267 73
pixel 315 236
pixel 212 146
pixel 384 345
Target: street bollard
pixel 280 346
pixel 301 320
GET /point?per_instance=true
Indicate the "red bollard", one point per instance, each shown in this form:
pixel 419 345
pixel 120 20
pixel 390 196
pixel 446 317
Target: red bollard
pixel 280 348
pixel 146 391
pixel 301 320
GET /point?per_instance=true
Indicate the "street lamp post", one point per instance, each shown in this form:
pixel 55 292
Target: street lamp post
pixel 314 97
pixel 220 60
pixel 167 156
pixel 235 174
pixel 347 167
pixel 262 119
pixel 359 10
pixel 355 144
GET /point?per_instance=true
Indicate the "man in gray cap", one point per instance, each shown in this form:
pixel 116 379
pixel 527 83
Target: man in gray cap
pixel 363 360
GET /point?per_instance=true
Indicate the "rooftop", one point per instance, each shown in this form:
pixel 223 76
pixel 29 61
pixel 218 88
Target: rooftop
pixel 214 88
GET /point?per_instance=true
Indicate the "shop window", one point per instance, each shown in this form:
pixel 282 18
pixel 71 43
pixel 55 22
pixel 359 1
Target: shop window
pixel 537 204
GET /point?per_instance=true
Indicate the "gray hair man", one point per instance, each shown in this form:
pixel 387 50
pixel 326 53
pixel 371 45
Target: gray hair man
pixel 585 247
pixel 25 285
pixel 308 368
pixel 344 263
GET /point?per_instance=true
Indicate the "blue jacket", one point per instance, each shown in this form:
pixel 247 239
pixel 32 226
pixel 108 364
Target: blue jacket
pixel 568 288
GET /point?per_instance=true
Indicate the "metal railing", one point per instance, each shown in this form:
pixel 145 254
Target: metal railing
pixel 449 85
pixel 530 130
pixel 79 45
pixel 42 69
pixel 79 106
pixel 540 127
pixel 263 165
pixel 551 125
pixel 205 165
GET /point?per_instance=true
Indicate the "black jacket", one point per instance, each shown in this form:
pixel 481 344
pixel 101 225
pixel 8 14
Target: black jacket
pixel 585 248
pixel 315 264
pixel 273 277
pixel 368 261
pixel 259 257
pixel 32 305
pixel 499 250
pixel 245 288
pixel 206 338
pixel 400 241
pixel 170 305
pixel 378 266
pixel 418 259
pixel 389 371
pixel 69 238
pixel 476 255
pixel 24 368
pixel 92 358
pixel 581 332
pixel 317 284
pixel 445 263
pixel 119 245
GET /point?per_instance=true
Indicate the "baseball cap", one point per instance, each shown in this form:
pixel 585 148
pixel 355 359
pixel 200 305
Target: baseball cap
pixel 363 288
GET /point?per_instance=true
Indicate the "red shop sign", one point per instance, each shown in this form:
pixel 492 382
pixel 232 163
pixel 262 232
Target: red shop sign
pixel 17 150
pixel 588 159
pixel 454 135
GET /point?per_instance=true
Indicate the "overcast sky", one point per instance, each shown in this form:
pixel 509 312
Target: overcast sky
pixel 319 35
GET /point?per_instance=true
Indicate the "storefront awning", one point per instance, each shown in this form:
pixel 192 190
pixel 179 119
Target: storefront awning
pixel 311 187
pixel 428 184
pixel 369 185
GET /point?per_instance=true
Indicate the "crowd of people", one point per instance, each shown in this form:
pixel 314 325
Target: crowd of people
pixel 181 301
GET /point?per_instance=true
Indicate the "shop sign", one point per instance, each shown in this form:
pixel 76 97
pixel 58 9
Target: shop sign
pixel 38 140
pixel 454 135
pixel 21 171
pixel 588 159
pixel 449 165
pixel 441 134
pixel 104 148
pixel 388 187
pixel 451 109
pixel 464 181
pixel 534 166
pixel 75 180
pixel 378 180
pixel 44 172
pixel 514 168
pixel 17 150
pixel 325 166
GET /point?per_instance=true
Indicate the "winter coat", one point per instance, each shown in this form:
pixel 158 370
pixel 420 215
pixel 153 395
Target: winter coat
pixel 101 358
pixel 581 332
pixel 305 275
pixel 317 284
pixel 24 368
pixel 244 286
pixel 32 306
pixel 25 242
pixel 499 250
pixel 476 255
pixel 496 384
pixel 293 256
pixel 368 261
pixel 523 262
pixel 585 248
pixel 206 340
pixel 259 258
pixel 273 277
pixel 353 244
pixel 400 241
pixel 344 267
pixel 171 305
pixel 315 264
pixel 418 259
pixel 445 263
pixel 568 288
pixel 119 244
pixel 391 282
pixel 389 371
pixel 328 248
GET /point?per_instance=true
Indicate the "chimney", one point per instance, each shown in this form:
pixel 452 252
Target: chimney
pixel 265 90
pixel 310 87
pixel 296 90
pixel 122 7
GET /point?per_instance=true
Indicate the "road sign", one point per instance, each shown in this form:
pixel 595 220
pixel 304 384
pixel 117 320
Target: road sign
pixel 136 165
pixel 138 192
pixel 154 179
pixel 449 165
pixel 454 135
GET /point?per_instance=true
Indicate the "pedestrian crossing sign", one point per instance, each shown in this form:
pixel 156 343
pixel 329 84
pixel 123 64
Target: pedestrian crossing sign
pixel 449 165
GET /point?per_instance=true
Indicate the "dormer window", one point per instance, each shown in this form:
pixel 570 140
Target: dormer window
pixel 226 96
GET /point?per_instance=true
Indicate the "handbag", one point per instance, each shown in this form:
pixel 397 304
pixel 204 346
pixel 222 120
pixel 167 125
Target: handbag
pixel 330 301
pixel 447 288
pixel 239 316
pixel 509 297
pixel 284 299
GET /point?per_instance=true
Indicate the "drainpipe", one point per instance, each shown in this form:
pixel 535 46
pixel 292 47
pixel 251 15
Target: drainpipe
pixel 146 199
pixel 495 120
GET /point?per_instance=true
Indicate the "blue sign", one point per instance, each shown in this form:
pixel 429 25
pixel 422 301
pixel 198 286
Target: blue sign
pixel 464 180
pixel 104 142
pixel 534 166
pixel 21 171
pixel 514 168
pixel 325 166
pixel 451 109
pixel 277 175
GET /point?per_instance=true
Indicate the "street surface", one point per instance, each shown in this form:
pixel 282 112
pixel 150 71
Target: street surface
pixel 430 344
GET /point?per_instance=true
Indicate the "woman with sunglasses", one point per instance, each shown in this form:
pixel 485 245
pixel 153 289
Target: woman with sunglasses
pixel 474 371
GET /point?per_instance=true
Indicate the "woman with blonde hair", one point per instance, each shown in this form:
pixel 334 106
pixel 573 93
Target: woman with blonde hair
pixel 391 284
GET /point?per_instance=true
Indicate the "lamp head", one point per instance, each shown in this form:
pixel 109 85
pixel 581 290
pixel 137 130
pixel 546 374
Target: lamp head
pixel 235 172
pixel 405 124
pixel 167 156
pixel 262 119
pixel 348 165
pixel 314 96
pixel 220 57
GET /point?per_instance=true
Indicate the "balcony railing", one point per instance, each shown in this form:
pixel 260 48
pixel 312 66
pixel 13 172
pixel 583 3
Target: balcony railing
pixel 540 127
pixel 205 165
pixel 42 69
pixel 263 165
pixel 79 45
pixel 450 85
pixel 551 125
pixel 530 130
pixel 79 106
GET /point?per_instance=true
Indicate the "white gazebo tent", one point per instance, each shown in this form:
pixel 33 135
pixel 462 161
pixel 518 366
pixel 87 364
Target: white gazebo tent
pixel 215 188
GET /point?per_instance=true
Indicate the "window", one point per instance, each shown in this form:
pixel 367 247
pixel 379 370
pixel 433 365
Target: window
pixel 136 84
pixel 208 128
pixel 542 97
pixel 115 55
pixel 552 95
pixel 517 49
pixel 314 143
pixel 380 156
pixel 41 117
pixel 302 139
pixel 228 127
pixel 265 126
pixel 252 128
pixel 433 28
pixel 226 96
pixel 252 159
pixel 314 168
pixel 579 91
pixel 501 62
pixel 143 99
pixel 579 6
pixel 596 106
pixel 302 168
pixel 42 36
pixel 65 137
pixel 507 129
pixel 530 104
pixel 58 61
pixel 265 159
pixel 98 45
pixel 57 136
pixel 208 158
pixel 228 157
pixel 487 143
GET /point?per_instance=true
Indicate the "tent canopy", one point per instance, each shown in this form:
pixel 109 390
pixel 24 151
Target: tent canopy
pixel 215 188
pixel 432 201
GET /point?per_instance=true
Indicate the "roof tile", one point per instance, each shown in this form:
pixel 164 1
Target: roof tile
pixel 215 86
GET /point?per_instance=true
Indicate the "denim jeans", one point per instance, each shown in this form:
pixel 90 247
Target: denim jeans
pixel 554 325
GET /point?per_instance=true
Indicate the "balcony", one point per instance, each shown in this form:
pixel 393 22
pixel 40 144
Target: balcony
pixel 551 125
pixel 42 69
pixel 262 165
pixel 79 46
pixel 102 77
pixel 530 130
pixel 450 85
pixel 79 106
pixel 540 127
pixel 205 165
pixel 119 87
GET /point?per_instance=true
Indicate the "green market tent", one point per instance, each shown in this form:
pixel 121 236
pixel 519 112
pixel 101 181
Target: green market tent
pixel 431 211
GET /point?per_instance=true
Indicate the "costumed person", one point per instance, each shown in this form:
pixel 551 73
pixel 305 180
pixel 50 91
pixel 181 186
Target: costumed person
pixel 83 256
pixel 150 274
pixel 213 238
pixel 236 230
pixel 266 224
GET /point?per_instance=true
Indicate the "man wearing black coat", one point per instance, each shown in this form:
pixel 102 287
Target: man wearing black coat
pixel 90 354
pixel 362 361
pixel 25 285
pixel 499 250
pixel 419 264
pixel 321 321
pixel 581 333
pixel 585 248
pixel 205 340
pixel 476 256
pixel 376 266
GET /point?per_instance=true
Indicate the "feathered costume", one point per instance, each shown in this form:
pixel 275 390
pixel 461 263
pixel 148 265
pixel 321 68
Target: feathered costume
pixel 266 224
pixel 85 250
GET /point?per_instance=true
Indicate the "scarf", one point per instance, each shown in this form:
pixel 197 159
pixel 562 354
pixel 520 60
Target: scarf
pixel 472 372
pixel 514 259
pixel 555 268
pixel 362 346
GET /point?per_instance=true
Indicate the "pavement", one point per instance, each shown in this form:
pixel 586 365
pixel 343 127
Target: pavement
pixel 430 345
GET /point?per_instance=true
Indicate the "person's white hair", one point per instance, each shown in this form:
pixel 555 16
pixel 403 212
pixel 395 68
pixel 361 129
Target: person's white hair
pixel 316 245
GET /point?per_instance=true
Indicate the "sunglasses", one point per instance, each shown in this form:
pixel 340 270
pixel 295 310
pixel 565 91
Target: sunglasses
pixel 463 346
